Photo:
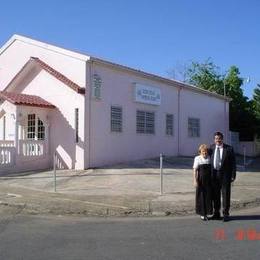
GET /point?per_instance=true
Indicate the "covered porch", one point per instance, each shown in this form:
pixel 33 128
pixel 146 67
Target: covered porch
pixel 24 132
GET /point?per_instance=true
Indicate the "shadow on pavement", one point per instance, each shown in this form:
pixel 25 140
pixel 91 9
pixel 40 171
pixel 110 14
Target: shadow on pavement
pixel 169 162
pixel 245 217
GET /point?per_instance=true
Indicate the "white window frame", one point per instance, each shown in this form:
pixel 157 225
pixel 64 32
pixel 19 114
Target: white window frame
pixel 40 129
pixel 36 128
pixel 31 127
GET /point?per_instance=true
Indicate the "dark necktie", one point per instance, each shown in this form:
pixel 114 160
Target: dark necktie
pixel 218 161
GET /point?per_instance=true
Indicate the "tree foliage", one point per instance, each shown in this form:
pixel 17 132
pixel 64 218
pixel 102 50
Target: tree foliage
pixel 204 75
pixel 256 108
pixel 256 101
pixel 242 118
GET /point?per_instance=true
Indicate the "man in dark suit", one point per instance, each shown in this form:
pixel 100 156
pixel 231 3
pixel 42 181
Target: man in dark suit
pixel 223 164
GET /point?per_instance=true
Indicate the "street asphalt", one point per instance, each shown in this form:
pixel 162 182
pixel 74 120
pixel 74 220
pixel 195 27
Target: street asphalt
pixel 187 237
pixel 131 189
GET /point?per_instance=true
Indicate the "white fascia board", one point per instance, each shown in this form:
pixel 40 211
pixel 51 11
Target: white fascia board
pixel 170 82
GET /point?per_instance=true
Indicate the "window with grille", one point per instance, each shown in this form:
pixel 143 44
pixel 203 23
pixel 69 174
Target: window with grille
pixel 35 128
pixel 31 129
pixel 145 122
pixel 41 130
pixel 116 119
pixel 96 92
pixel 169 124
pixel 193 127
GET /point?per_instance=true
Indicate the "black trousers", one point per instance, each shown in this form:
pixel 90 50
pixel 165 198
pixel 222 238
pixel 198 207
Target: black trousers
pixel 221 187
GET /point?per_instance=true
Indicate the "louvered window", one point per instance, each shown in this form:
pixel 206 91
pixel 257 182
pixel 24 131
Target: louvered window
pixel 97 82
pixel 193 127
pixel 169 124
pixel 116 119
pixel 145 122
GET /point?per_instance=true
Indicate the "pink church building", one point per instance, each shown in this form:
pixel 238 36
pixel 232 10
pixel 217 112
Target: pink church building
pixel 91 112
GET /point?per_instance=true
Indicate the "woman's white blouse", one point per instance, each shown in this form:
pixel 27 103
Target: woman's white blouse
pixel 198 160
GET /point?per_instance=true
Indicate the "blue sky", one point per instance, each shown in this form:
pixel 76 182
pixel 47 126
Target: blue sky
pixel 154 36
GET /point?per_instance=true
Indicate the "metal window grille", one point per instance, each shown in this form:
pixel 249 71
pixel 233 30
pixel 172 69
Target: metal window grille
pixel 140 122
pixel 145 122
pixel 169 124
pixel 194 127
pixel 149 120
pixel 116 119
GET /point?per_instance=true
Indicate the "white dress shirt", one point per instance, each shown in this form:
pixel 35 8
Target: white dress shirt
pixel 215 153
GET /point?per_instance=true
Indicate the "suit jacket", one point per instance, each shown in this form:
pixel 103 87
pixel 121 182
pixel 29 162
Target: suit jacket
pixel 228 162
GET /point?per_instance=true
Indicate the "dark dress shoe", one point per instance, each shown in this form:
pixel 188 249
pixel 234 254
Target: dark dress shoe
pixel 216 217
pixel 225 218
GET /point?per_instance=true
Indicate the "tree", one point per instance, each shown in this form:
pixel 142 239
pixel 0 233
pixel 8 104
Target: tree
pixel 256 108
pixel 238 105
pixel 204 75
pixel 256 101
pixel 207 76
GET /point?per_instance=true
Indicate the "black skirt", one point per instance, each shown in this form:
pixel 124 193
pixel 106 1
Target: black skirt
pixel 203 198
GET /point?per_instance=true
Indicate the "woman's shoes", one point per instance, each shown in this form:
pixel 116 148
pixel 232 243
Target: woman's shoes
pixel 204 218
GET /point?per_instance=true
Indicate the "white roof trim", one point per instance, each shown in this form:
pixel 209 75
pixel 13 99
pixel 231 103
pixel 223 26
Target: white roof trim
pixel 171 82
pixel 43 45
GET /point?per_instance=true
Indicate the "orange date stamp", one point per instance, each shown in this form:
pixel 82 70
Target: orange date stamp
pixel 249 234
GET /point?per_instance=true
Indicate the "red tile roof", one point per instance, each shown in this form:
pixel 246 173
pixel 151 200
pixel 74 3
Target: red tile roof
pixel 26 100
pixel 59 76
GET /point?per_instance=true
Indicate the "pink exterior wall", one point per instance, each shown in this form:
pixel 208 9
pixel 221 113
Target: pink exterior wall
pixel 18 115
pixel 209 110
pixel 62 120
pixel 30 163
pixel 19 52
pixel 108 147
pixel 10 117
pixel 97 144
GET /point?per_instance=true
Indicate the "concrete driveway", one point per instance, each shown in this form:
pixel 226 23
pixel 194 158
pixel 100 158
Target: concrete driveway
pixel 124 189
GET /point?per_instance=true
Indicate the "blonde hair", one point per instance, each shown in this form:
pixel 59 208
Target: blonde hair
pixel 203 147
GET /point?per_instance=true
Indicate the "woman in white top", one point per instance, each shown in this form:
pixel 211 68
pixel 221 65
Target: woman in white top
pixel 202 182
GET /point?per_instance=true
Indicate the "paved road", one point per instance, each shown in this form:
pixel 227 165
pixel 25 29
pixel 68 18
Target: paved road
pixel 53 237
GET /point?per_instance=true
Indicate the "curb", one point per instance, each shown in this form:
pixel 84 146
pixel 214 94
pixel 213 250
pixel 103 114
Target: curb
pixel 98 211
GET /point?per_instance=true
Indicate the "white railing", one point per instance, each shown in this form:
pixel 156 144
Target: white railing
pixel 7 156
pixel 257 147
pixel 31 148
pixel 250 148
pixel 58 162
pixel 5 143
